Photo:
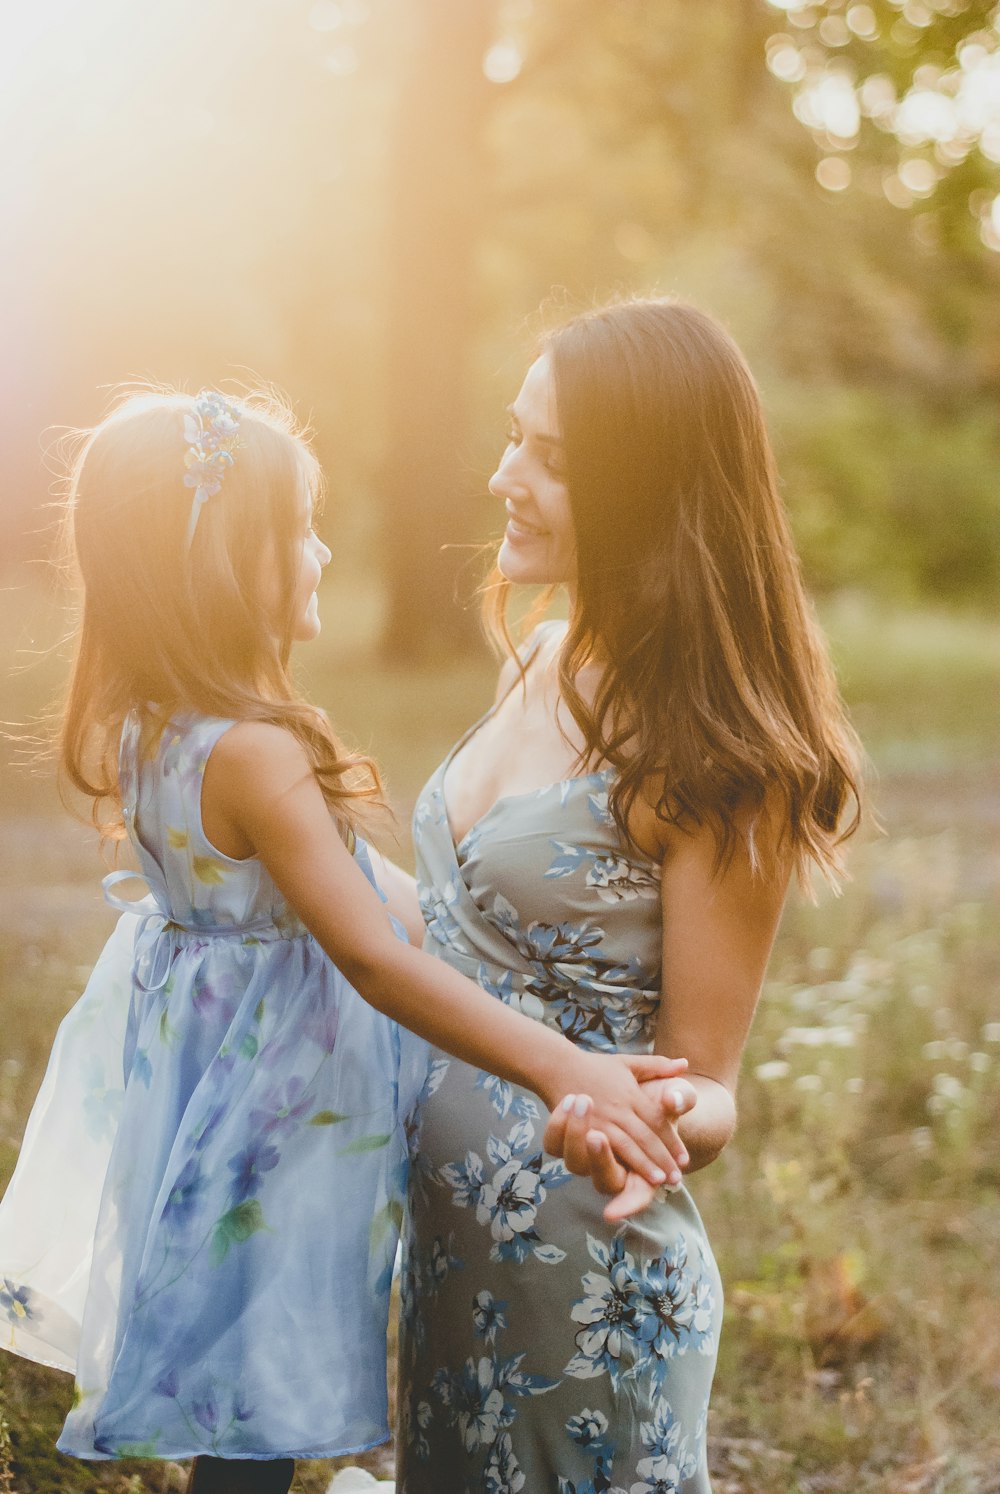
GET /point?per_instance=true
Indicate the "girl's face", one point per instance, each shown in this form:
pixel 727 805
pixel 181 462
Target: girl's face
pixel 539 544
pixel 313 557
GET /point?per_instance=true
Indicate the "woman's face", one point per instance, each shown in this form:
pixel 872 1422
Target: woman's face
pixel 539 544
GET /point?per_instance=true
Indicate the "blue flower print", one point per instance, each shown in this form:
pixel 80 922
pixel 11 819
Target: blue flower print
pixel 322 1022
pixel 671 1463
pixel 474 1400
pixel 465 1179
pixel 509 1203
pixel 103 1100
pixel 504 1474
pixel 184 1197
pixel 589 1429
pixel 282 1106
pixel 413 1426
pixel 142 1069
pixel 488 1316
pixel 436 904
pixel 424 1417
pixel 218 989
pixel 510 1200
pixel 615 878
pixel 608 1312
pixel 205 1410
pixel 597 1015
pixel 598 806
pixel 502 988
pixel 674 1311
pixel 421 1172
pixel 169 1386
pixel 16 1302
pixel 501 1093
pixel 242 1411
pixel 594 1001
pixel 250 1164
pixel 442 1262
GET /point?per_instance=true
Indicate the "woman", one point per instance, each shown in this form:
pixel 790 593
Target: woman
pixel 618 829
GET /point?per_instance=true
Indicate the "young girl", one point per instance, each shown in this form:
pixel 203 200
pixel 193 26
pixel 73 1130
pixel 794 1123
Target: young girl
pixel 210 1246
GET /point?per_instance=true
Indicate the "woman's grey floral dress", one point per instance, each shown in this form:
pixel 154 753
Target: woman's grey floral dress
pixel 541 1348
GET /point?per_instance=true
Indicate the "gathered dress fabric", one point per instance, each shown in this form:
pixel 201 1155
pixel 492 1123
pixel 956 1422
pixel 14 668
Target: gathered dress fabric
pixel 204 1216
pixel 543 1349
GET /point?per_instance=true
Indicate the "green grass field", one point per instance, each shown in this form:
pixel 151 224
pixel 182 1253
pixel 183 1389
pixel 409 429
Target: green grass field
pixel 855 1217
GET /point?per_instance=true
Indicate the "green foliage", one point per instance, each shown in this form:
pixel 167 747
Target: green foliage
pixel 890 496
pixel 242 1221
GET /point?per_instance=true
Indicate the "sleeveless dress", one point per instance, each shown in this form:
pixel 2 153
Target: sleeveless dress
pixel 543 1349
pixel 204 1217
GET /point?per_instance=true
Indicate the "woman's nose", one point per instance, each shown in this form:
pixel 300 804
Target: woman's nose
pixel 505 478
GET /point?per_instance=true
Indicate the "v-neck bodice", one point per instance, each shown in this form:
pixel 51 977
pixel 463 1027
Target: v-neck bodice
pixel 542 904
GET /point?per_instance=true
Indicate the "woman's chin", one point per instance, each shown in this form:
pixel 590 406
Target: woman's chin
pixel 516 566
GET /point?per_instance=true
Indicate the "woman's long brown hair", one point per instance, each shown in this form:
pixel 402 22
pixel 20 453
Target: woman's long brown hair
pixel 165 628
pixel 716 688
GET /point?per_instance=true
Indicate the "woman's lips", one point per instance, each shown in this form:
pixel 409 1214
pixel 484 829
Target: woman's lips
pixel 521 529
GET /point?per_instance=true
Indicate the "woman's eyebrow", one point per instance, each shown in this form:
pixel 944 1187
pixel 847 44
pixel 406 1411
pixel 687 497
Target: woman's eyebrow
pixel 546 440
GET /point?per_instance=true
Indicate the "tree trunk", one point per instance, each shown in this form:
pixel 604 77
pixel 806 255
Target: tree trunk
pixel 435 219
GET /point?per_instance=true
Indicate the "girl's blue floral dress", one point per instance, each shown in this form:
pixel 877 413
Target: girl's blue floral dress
pixel 542 1350
pixel 204 1217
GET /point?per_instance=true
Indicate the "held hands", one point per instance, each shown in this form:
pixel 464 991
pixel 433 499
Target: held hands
pixel 578 1132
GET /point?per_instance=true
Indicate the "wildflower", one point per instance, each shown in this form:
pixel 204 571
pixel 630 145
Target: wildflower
pixel 776 1068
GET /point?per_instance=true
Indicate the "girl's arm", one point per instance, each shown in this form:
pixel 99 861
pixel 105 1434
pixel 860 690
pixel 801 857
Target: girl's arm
pixel 718 929
pixel 259 787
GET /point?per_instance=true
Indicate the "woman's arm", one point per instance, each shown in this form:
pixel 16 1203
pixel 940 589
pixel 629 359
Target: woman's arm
pixel 262 786
pixel 718 930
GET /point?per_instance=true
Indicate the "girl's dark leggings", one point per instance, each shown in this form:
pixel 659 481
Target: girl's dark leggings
pixel 240 1476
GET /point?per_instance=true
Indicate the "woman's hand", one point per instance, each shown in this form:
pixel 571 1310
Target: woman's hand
pixel 586 1149
pixel 617 1098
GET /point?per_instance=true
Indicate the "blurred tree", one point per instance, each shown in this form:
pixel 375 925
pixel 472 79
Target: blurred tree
pixel 435 185
pixel 382 271
pixel 914 87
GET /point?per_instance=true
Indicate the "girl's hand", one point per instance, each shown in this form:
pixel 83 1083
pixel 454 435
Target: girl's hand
pixel 616 1097
pixel 572 1130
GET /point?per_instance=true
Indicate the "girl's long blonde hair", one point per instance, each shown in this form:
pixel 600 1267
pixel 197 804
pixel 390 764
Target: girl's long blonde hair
pixel 167 628
pixel 717 687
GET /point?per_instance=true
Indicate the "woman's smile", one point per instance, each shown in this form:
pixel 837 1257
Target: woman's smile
pixel 520 528
pixel 530 481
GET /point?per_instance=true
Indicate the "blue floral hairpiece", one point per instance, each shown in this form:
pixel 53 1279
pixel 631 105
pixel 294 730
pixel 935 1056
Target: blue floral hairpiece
pixel 213 431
